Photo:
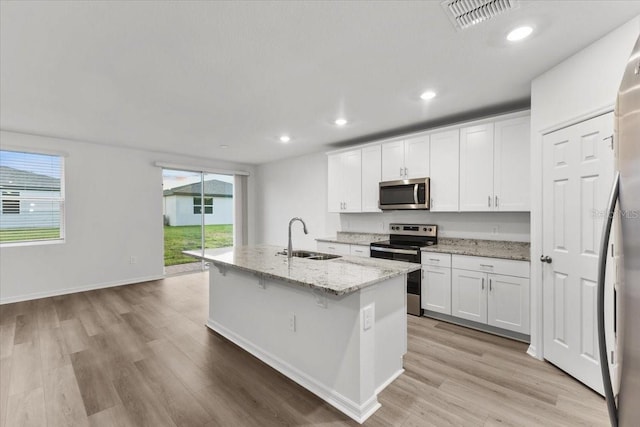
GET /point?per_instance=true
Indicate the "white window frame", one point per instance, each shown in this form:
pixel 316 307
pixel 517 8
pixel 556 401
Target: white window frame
pixel 61 200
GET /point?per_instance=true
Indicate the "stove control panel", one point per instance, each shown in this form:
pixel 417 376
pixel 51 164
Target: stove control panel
pixel 414 229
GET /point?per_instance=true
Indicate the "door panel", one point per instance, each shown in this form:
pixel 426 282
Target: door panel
pixel 511 169
pixel 508 303
pixel 371 177
pixel 444 171
pixel 393 160
pixel 476 168
pixel 577 177
pixel 416 157
pixel 436 289
pixel 468 295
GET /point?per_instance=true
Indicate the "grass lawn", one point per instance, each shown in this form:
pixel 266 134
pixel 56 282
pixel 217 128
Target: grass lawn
pixel 22 234
pixel 187 237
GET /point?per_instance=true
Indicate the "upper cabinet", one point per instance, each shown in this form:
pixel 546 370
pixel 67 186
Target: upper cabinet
pixel 445 157
pixel 371 177
pixel 494 166
pixel 481 167
pixel 344 181
pixel 405 159
pixel 511 167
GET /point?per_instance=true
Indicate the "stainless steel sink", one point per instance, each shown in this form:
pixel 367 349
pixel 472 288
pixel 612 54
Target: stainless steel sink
pixel 317 256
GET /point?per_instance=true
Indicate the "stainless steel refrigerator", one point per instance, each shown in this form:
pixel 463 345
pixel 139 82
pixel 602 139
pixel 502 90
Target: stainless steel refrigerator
pixel 624 408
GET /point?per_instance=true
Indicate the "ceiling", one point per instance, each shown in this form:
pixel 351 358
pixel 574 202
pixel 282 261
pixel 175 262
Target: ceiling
pixel 188 77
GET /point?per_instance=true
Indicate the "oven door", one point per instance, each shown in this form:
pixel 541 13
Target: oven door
pixel 414 283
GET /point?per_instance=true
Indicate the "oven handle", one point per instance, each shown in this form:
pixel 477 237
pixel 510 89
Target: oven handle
pixel 415 193
pixel 394 251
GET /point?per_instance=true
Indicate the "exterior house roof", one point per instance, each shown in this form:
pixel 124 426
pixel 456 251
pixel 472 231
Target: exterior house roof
pixel 212 188
pixel 16 180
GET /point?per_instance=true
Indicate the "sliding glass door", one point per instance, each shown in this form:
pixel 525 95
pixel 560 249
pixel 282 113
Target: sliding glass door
pixel 197 214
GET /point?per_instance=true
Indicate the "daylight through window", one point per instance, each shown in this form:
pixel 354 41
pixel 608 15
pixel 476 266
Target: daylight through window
pixel 31 196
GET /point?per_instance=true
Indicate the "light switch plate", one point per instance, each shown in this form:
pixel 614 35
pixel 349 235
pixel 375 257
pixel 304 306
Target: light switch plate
pixel 368 314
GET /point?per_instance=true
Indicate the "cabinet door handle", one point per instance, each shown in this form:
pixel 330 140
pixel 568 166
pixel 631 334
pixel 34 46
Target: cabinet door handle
pixel 486 265
pixel 345 205
pixel 434 259
pixel 400 171
pixel 496 202
pixel 490 287
pixel 483 283
pixel 405 172
pixel 489 201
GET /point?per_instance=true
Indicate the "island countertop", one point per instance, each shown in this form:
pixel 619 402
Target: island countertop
pixel 338 276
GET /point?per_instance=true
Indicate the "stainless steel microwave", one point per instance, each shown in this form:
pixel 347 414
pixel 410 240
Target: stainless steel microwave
pixel 404 194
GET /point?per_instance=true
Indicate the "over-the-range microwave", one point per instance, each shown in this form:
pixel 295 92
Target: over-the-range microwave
pixel 404 194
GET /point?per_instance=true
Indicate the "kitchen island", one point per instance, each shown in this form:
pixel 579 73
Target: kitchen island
pixel 337 327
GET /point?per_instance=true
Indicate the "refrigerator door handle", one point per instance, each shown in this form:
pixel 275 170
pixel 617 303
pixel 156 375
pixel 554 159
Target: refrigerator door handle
pixel 602 266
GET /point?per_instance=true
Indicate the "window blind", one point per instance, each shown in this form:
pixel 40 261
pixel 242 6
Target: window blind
pixel 31 197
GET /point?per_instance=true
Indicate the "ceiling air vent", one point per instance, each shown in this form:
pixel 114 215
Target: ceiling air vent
pixel 467 13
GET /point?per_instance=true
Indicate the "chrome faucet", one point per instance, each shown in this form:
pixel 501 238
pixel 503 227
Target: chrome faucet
pixel 290 248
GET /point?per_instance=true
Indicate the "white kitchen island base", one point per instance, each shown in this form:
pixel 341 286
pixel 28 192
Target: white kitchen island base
pixel 343 348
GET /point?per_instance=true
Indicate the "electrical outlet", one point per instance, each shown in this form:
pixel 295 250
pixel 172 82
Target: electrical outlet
pixel 292 322
pixel 133 260
pixel 367 317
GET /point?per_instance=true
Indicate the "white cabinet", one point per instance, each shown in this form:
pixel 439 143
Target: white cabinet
pixel 445 163
pixel 334 248
pixel 343 249
pixel 508 303
pixel 360 250
pixel 405 159
pixel 371 177
pixel 491 291
pixel 476 168
pixel 436 282
pixel 494 166
pixel 344 182
pixel 511 165
pixel 468 295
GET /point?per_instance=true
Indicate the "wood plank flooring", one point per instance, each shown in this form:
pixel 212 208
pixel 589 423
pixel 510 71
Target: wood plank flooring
pixel 140 355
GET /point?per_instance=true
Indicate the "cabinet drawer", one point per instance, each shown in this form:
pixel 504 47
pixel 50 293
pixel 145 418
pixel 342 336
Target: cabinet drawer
pixel 360 250
pixel 334 248
pixel 436 259
pixel 491 265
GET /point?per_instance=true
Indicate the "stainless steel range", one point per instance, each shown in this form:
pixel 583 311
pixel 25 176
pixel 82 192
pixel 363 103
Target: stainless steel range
pixel 404 244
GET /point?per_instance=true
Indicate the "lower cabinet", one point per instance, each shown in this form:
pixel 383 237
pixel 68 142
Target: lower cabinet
pixel 484 290
pixel 343 249
pixel 498 300
pixel 436 282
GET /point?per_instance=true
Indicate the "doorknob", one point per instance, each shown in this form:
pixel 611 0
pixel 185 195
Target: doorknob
pixel 546 259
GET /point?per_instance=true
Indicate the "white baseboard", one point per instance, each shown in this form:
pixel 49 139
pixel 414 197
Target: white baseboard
pixel 345 405
pixel 57 292
pixel 389 380
pixel 531 351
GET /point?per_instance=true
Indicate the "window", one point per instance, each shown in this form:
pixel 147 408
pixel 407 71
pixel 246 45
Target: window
pixel 31 196
pixel 9 204
pixel 208 205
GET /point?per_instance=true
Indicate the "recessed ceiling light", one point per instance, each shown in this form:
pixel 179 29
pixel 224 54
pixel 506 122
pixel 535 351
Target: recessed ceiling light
pixel 340 122
pixel 224 146
pixel 285 138
pixel 428 95
pixel 519 33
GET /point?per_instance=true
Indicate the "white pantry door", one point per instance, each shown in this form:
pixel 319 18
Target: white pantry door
pixel 577 176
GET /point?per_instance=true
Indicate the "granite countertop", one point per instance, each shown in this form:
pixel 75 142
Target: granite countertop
pixel 354 238
pixel 338 276
pixel 519 251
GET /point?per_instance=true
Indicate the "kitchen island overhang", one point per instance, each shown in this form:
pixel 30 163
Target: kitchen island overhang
pixel 336 327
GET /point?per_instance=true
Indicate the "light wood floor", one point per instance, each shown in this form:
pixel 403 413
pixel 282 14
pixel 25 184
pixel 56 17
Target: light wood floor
pixel 139 355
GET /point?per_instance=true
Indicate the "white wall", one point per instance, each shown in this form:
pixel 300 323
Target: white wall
pixel 512 226
pixel 113 212
pixel 289 188
pixel 298 187
pixel 578 88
